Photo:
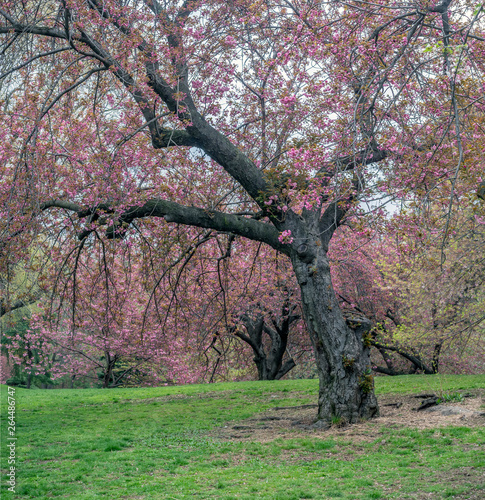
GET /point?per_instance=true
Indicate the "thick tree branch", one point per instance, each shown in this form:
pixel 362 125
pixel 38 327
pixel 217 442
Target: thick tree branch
pixel 68 205
pixel 274 336
pixel 33 30
pixel 181 214
pixel 331 219
pixel 167 138
pixel 441 8
pixel 387 371
pixel 247 339
pixel 414 359
pixel 210 140
pixel 5 308
pixel 289 365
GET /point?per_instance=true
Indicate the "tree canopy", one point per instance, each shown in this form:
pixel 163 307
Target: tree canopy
pixel 277 122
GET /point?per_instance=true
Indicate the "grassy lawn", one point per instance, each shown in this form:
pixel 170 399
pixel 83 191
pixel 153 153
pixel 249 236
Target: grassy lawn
pixel 158 443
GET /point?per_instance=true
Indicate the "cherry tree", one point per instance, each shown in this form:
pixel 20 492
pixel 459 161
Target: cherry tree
pixel 249 293
pixel 231 294
pixel 274 122
pixel 97 327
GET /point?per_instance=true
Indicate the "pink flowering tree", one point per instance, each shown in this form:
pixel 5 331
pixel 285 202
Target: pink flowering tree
pixel 219 286
pixel 256 300
pixel 98 326
pixel 273 123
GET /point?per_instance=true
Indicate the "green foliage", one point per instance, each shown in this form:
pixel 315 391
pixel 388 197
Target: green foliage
pixel 23 374
pixel 366 383
pixel 11 330
pixel 455 397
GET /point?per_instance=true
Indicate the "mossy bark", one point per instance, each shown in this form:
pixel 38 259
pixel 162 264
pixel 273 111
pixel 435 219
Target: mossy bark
pixel 341 353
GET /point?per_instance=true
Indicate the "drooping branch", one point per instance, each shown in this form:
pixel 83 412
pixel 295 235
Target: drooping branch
pixel 416 360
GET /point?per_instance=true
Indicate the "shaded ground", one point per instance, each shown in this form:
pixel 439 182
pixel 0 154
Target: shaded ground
pixel 396 411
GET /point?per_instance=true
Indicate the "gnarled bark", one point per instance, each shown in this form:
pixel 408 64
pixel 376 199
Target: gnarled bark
pixel 269 364
pixel 341 352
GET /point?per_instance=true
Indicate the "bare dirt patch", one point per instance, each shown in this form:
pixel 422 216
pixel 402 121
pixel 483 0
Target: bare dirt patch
pixel 396 411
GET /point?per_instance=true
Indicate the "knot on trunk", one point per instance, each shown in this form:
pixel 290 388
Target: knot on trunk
pixel 357 322
pixel 481 191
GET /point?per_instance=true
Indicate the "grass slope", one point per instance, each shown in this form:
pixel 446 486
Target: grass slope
pixel 153 443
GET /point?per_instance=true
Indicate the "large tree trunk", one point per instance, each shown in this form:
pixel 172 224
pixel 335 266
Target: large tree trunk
pixel 341 351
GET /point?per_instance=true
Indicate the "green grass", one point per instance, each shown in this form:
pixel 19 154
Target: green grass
pixel 451 397
pixel 154 443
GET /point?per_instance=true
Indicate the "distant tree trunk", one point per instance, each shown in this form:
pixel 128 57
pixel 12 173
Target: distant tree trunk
pixel 219 356
pixel 30 355
pixel 270 365
pixel 108 371
pixel 436 357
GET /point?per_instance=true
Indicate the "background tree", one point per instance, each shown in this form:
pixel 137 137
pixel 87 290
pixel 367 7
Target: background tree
pixel 213 294
pixel 437 319
pixel 101 325
pixel 269 360
pixel 28 360
pixel 424 298
pixel 20 294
